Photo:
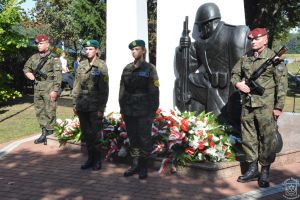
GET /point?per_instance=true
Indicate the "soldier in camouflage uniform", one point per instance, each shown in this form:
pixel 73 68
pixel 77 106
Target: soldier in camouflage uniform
pixel 259 113
pixel 47 80
pixel 139 100
pixel 90 94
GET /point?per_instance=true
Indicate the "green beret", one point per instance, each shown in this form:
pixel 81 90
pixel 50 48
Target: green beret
pixel 136 43
pixel 92 43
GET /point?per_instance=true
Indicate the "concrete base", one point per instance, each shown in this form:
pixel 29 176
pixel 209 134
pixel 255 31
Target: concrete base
pixel 289 126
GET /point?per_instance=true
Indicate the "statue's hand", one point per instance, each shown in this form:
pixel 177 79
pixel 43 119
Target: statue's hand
pixel 185 42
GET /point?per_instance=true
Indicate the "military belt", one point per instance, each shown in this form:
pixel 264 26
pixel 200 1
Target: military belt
pixel 49 78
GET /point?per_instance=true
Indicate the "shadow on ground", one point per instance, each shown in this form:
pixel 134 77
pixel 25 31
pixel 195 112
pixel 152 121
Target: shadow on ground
pixel 34 175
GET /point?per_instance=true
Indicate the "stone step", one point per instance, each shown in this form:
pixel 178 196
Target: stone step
pixel 289 126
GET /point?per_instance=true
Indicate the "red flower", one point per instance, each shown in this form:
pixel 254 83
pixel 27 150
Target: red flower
pixel 189 150
pixel 184 125
pixel 212 144
pixel 227 154
pixel 159 118
pixel 201 146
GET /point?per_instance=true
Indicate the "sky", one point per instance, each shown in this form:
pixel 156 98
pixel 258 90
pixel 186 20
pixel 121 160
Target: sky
pixel 29 4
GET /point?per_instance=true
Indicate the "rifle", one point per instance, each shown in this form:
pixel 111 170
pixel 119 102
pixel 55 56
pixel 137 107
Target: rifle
pixel 255 88
pixel 37 73
pixel 186 40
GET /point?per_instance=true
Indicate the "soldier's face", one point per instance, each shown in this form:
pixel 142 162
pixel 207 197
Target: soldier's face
pixel 91 52
pixel 259 43
pixel 137 52
pixel 43 46
pixel 206 29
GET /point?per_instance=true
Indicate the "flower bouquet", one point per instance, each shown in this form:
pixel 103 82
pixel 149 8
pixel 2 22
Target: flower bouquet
pixel 114 136
pixel 180 138
pixel 188 138
pixel 68 130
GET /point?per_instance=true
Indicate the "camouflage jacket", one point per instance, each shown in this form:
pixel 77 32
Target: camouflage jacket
pixel 139 90
pixel 90 90
pixel 52 70
pixel 273 79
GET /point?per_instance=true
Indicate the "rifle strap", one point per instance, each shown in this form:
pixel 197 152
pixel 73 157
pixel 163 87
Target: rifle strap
pixel 41 63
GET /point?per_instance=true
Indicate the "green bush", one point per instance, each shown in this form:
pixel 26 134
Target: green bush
pixel 6 91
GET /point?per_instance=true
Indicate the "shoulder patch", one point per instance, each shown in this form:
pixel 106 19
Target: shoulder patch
pixel 280 67
pixel 156 83
pixel 105 78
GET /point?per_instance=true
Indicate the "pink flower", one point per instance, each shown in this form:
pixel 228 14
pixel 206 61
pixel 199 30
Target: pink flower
pixel 60 122
pixel 123 135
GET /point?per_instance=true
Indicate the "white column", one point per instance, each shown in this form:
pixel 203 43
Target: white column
pixel 126 21
pixel 170 17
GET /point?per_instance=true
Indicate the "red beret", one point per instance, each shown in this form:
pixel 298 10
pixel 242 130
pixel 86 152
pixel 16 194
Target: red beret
pixel 41 38
pixel 257 32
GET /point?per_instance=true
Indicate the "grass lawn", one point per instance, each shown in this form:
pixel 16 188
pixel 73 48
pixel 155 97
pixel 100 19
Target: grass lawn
pixel 19 121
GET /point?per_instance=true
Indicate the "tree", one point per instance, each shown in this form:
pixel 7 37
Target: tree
pixel 10 39
pixel 278 16
pixel 10 16
pixel 152 8
pixel 71 21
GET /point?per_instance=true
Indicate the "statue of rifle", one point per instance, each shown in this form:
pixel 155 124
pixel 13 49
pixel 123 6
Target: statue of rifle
pixel 255 88
pixel 37 73
pixel 185 43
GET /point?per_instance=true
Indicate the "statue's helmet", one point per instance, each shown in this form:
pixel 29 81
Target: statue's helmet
pixel 207 12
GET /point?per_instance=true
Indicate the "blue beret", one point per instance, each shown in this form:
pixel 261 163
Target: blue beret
pixel 92 43
pixel 136 43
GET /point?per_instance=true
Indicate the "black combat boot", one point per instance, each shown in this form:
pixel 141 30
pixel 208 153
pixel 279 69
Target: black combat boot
pixel 97 160
pixel 143 173
pixel 134 169
pixel 263 180
pixel 42 138
pixel 89 163
pixel 251 174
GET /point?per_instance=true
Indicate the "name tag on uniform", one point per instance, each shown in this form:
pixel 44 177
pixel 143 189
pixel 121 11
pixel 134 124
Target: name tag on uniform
pixel 95 72
pixel 142 74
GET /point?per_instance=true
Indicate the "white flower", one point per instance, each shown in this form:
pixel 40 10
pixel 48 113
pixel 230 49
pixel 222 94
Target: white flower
pixel 211 151
pixel 194 142
pixel 215 139
pixel 201 156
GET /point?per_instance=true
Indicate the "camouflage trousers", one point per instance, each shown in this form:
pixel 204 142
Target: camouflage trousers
pixel 45 109
pixel 90 126
pixel 139 133
pixel 258 134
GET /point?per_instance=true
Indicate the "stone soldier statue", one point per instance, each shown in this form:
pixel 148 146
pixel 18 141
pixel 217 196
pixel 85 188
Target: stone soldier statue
pixel 205 82
pixel 45 70
pixel 260 110
pixel 90 94
pixel 139 100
